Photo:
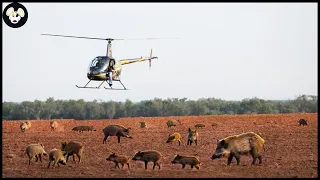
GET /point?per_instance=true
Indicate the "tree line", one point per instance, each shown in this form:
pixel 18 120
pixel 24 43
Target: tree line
pixel 80 109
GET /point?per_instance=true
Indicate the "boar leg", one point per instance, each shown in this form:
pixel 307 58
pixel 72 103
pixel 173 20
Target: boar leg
pixel 260 159
pixel 79 157
pixel 54 163
pixel 158 165
pixel 67 157
pixel 238 159
pixel 122 165
pixel 196 141
pixel 230 159
pixel 117 165
pixel 36 158
pixel 49 164
pixel 40 158
pixel 105 139
pixel 183 166
pixel 197 166
pixel 128 165
pixel 179 142
pixel 254 155
pixel 74 157
pixel 145 164
pixel 154 165
pixel 191 166
pixel 118 139
pixel 30 161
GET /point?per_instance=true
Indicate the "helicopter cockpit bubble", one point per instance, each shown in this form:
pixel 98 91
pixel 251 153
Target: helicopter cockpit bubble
pixel 98 65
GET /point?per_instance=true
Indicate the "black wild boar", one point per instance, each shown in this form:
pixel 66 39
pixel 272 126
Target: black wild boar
pixel 303 122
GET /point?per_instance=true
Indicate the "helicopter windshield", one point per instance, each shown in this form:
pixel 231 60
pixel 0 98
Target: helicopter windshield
pixel 98 65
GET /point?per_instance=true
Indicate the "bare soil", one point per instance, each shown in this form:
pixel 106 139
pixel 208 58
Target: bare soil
pixel 290 150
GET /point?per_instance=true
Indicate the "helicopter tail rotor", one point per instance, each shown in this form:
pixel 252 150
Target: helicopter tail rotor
pixel 151 57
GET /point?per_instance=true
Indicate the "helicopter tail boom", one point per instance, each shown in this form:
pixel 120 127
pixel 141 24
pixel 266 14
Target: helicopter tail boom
pixel 129 61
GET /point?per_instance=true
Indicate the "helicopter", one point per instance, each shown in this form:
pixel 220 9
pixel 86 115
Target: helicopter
pixel 98 66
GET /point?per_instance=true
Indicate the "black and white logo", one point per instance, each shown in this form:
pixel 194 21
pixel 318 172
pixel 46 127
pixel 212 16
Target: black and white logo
pixel 15 15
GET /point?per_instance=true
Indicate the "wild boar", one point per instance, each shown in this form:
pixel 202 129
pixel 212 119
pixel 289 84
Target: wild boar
pixel 173 123
pixel 56 156
pixel 35 151
pixel 174 137
pixel 143 124
pixel 242 144
pixel 73 148
pixel 303 122
pixel 119 159
pixel 184 160
pixel 83 128
pixel 192 137
pixel 148 156
pixel 115 130
pixel 199 126
pixel 53 125
pixel 23 126
pixel 214 125
pixel 29 124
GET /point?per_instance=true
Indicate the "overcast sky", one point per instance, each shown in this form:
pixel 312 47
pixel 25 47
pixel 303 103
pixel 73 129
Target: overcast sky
pixel 230 51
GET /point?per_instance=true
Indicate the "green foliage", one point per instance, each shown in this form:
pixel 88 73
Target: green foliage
pixel 79 109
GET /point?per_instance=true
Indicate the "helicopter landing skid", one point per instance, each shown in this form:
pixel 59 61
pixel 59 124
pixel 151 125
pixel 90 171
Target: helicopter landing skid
pixel 90 87
pixel 124 88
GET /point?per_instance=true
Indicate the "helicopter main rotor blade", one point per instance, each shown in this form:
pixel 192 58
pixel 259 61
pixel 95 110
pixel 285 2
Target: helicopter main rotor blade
pixel 147 38
pixel 106 39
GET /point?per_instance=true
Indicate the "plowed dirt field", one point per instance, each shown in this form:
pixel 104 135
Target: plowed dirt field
pixel 290 150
